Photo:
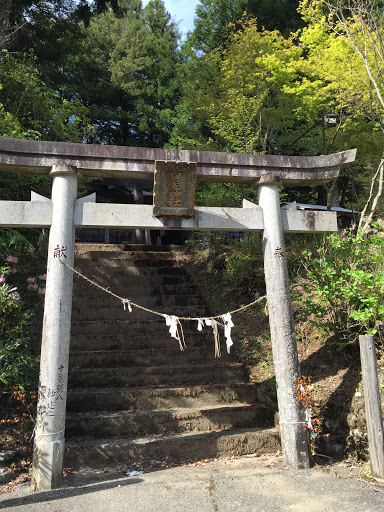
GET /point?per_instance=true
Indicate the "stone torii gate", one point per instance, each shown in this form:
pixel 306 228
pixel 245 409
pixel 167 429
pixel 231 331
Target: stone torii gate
pixel 65 162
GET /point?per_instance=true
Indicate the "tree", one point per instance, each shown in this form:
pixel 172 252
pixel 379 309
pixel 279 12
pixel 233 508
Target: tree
pixel 353 30
pixel 160 85
pixel 267 93
pixel 113 81
pixel 216 19
pixel 6 31
pixel 34 70
pixel 37 108
pixel 249 110
pixel 243 99
pixel 16 15
pixel 128 75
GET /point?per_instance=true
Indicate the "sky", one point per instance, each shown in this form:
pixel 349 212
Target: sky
pixel 182 11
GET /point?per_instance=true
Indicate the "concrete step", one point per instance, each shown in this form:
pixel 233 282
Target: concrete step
pixel 161 398
pixel 171 421
pixel 143 357
pixel 155 376
pixel 89 454
pixel 119 314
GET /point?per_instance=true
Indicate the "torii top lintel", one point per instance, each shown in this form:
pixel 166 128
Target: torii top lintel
pixel 38 157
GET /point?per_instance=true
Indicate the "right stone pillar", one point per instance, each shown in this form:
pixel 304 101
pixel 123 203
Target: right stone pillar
pixel 294 437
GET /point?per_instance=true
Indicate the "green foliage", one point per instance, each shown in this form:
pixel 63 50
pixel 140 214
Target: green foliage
pixel 223 194
pixel 22 287
pixel 249 109
pixel 246 103
pixel 38 108
pixel 344 286
pixel 265 93
pixel 216 19
pixel 244 265
pixel 239 262
pixel 17 187
pixel 128 74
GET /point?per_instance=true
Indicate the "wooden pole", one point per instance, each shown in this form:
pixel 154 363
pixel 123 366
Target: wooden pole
pixel 372 405
pixel 294 439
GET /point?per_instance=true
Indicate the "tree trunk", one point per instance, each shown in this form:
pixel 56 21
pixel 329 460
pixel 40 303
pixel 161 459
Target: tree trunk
pixel 5 10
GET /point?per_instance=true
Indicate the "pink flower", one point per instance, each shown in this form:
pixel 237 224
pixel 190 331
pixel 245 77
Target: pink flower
pixel 14 295
pixel 2 278
pixel 30 280
pixel 41 291
pixel 12 270
pixel 43 277
pixel 33 287
pixel 12 259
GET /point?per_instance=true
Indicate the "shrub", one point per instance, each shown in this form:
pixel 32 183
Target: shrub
pixel 344 285
pixel 20 298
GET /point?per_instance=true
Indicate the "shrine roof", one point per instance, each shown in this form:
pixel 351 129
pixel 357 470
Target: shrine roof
pixel 38 157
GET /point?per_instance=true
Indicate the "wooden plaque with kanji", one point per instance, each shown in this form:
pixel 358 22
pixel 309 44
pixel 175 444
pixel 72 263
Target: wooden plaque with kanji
pixel 174 191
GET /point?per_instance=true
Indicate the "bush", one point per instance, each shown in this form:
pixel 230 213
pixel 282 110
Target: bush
pixel 22 287
pixel 245 267
pixel 344 285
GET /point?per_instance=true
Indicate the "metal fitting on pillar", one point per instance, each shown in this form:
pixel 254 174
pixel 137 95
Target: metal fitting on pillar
pixel 64 169
pixel 268 179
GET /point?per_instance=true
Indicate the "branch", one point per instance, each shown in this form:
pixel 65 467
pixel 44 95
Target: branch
pixel 368 222
pixel 347 33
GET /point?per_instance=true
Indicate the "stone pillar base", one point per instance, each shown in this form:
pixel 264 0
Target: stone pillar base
pixel 47 472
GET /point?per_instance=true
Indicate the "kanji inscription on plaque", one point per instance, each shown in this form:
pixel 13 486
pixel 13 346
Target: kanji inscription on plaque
pixel 174 192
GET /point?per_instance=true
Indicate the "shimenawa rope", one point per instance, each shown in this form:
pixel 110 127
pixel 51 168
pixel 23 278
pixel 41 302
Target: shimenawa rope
pixel 173 322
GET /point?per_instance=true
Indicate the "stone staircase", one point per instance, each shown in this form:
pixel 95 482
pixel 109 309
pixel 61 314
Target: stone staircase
pixel 133 395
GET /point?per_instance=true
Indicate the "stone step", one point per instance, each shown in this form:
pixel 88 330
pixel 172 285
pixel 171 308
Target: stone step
pixel 118 283
pixel 108 301
pixel 143 357
pixel 153 248
pixel 86 248
pixel 132 290
pixel 89 454
pixel 171 421
pixel 118 267
pixel 154 327
pixel 112 259
pixel 119 314
pixel 161 398
pixel 137 340
pixel 155 376
pixel 128 377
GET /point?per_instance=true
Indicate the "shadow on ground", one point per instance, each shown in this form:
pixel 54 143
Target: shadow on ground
pixel 74 485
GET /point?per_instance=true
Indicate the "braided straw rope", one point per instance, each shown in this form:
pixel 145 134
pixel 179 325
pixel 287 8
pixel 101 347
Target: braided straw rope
pixel 128 301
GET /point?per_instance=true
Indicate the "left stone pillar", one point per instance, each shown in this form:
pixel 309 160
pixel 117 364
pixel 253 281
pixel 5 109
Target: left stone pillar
pixel 47 469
